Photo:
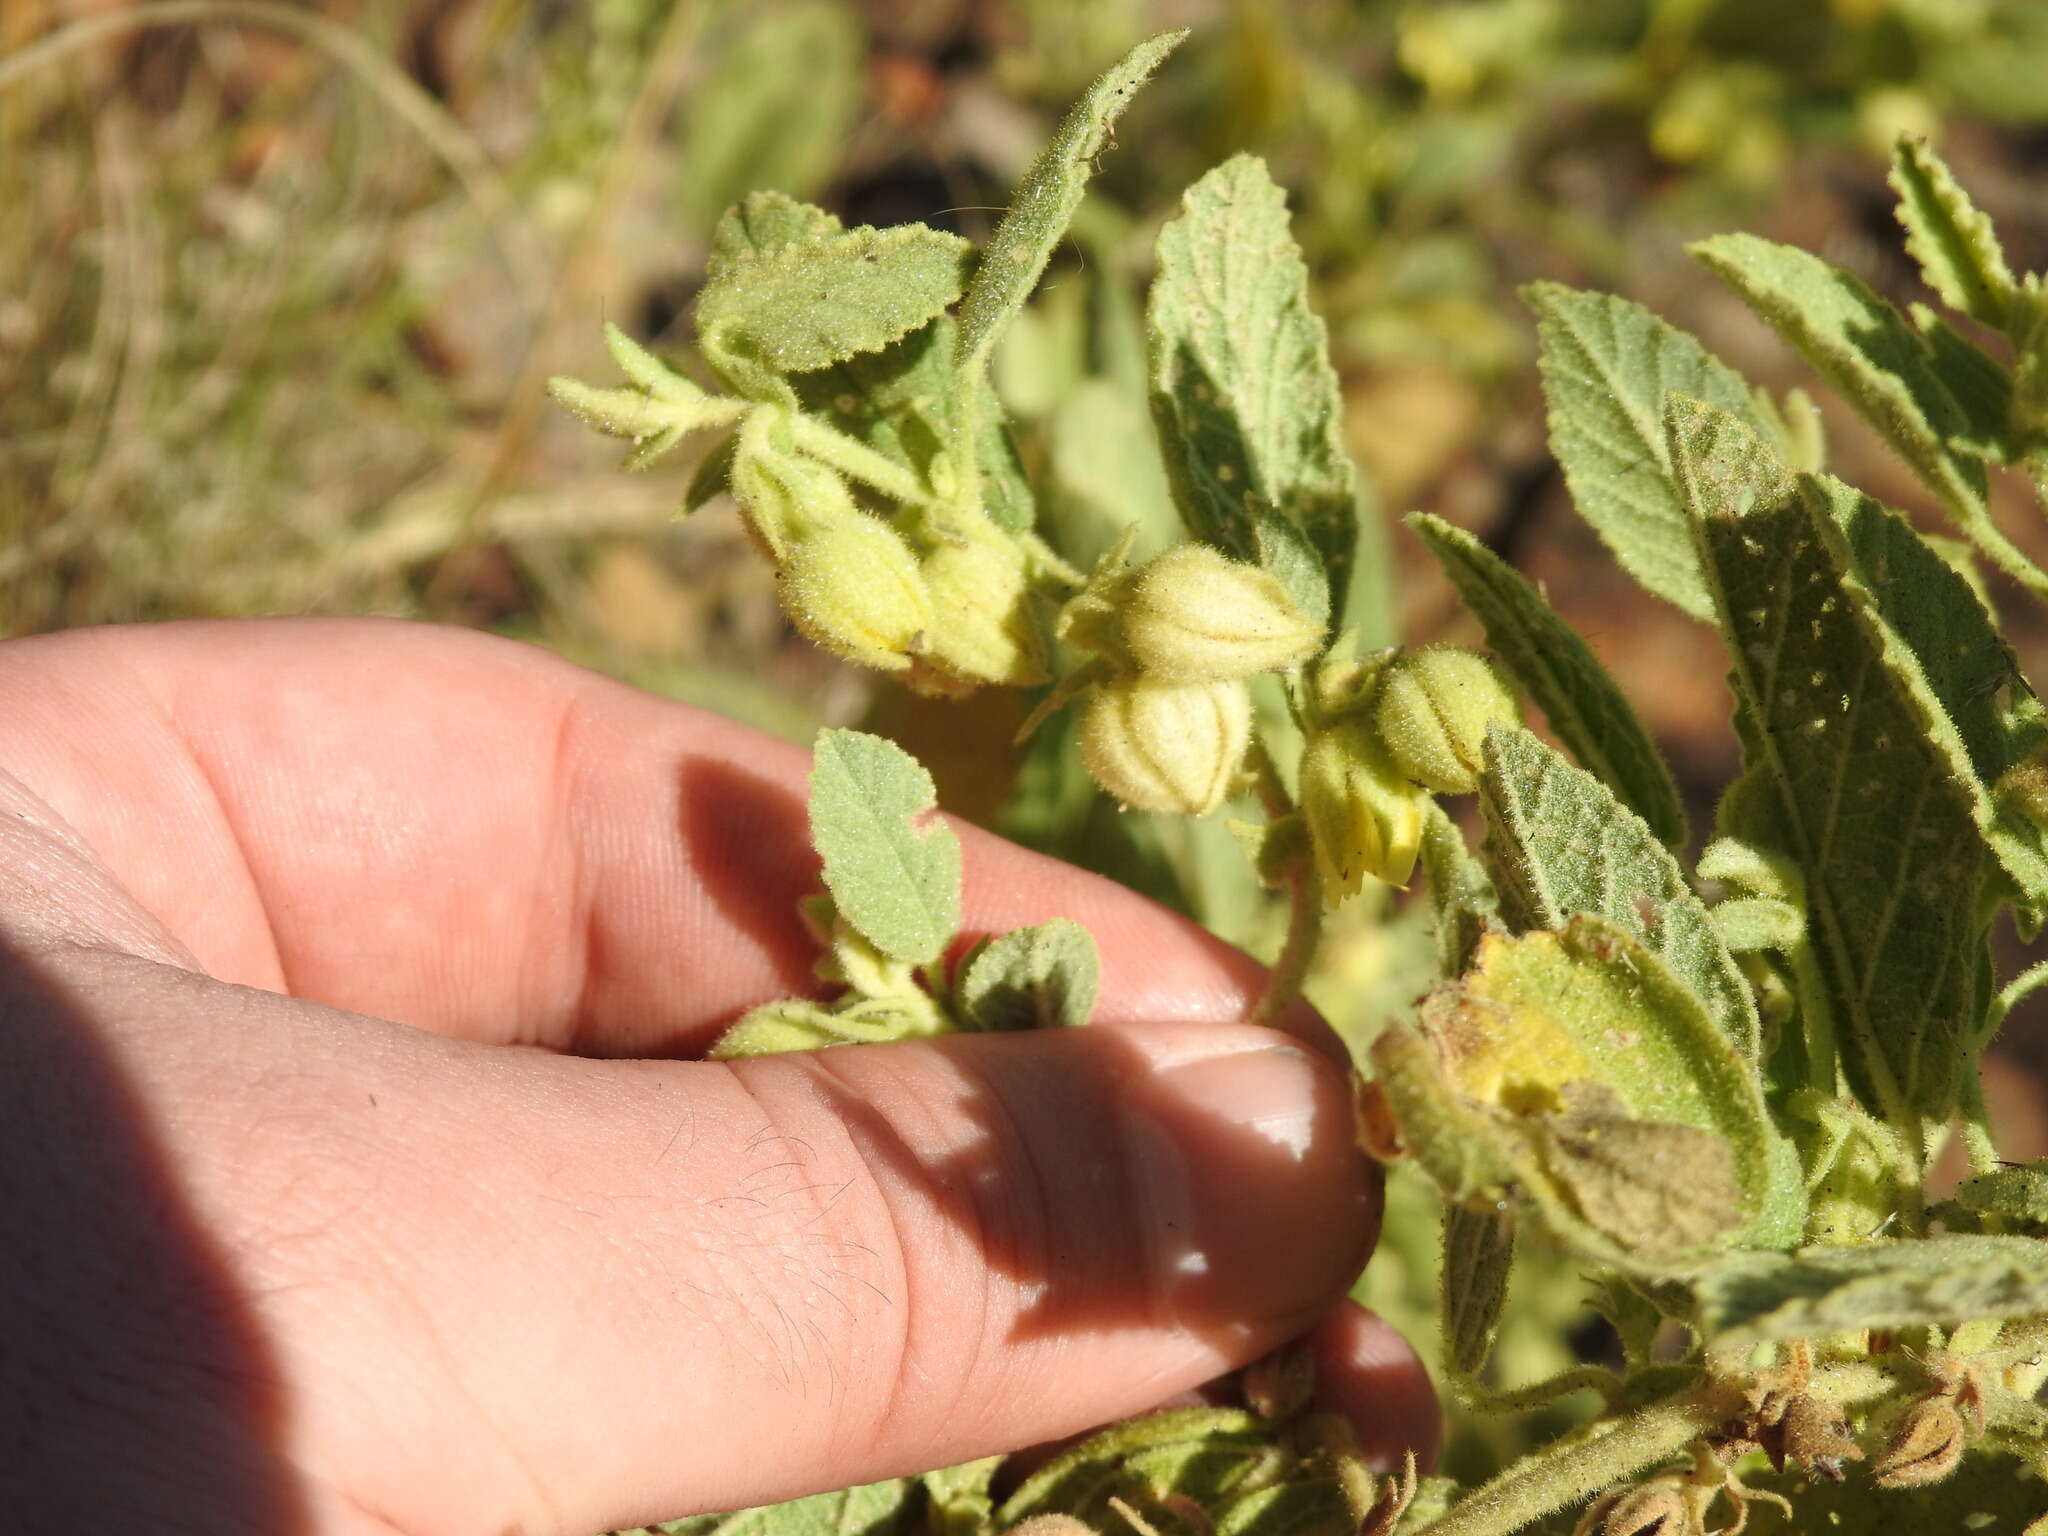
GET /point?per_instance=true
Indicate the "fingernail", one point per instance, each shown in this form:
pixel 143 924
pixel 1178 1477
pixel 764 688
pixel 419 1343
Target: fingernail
pixel 1258 1207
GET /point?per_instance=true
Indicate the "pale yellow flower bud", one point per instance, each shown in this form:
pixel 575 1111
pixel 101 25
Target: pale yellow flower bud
pixel 853 587
pixel 1195 615
pixel 1364 816
pixel 1167 747
pixel 983 630
pixel 1433 707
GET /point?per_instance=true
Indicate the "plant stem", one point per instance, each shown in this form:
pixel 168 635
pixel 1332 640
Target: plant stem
pixel 850 456
pixel 1539 1394
pixel 1977 1121
pixel 1298 953
pixel 1304 899
pixel 1581 1465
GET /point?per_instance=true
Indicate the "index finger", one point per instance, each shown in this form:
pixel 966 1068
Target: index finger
pixel 472 836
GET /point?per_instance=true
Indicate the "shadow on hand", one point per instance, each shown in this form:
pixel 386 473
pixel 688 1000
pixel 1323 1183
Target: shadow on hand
pixel 136 1390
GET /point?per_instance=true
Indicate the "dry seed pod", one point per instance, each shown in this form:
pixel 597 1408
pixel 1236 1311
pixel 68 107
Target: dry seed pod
pixel 1433 707
pixel 853 587
pixel 1815 1434
pixel 1194 615
pixel 1924 1447
pixel 1364 816
pixel 982 627
pixel 1173 748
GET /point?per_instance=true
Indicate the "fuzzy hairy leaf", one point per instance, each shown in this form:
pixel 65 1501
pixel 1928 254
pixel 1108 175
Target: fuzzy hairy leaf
pixel 1242 388
pixel 1980 385
pixel 1985 1496
pixel 1572 1075
pixel 1953 241
pixel 899 400
pixel 1839 717
pixel 1205 1451
pixel 893 875
pixel 1561 675
pixel 1479 1253
pixel 1031 978
pixel 2016 1196
pixel 762 223
pixel 810 304
pixel 1868 351
pixel 875 1509
pixel 1607 365
pixel 1045 202
pixel 1748 1298
pixel 1562 844
pixel 1934 612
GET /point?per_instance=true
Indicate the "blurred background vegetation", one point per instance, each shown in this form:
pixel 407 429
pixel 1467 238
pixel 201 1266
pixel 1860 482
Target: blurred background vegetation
pixel 280 285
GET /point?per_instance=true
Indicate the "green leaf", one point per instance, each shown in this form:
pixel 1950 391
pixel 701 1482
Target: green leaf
pixel 1247 404
pixel 2015 1196
pixel 960 1501
pixel 899 400
pixel 772 108
pixel 875 1509
pixel 646 370
pixel 1209 1450
pixel 1866 349
pixel 1984 1496
pixel 1562 844
pixel 805 306
pixel 1979 384
pixel 1952 240
pixel 1006 493
pixel 1871 800
pixel 1748 1298
pixel 1030 978
pixel 1607 365
pixel 1561 676
pixel 1045 202
pixel 1960 657
pixel 1479 1253
pixel 892 874
pixel 797 1025
pixel 1572 1076
pixel 760 224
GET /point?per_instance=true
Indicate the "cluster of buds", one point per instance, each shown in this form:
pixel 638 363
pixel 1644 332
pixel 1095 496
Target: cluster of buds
pixel 1383 734
pixel 949 607
pixel 1174 644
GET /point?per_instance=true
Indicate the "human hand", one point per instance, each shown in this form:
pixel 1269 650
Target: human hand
pixel 339 1195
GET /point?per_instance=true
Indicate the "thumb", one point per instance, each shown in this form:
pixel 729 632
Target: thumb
pixel 671 1287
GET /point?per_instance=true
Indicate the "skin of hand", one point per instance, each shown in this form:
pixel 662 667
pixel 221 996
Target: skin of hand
pixel 354 1176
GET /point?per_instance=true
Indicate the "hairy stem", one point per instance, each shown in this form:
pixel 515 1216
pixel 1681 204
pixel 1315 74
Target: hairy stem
pixel 1539 1394
pixel 1304 899
pixel 1976 1118
pixel 1576 1468
pixel 850 456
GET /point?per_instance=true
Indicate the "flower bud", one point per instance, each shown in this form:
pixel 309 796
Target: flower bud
pixel 853 587
pixel 983 630
pixel 782 494
pixel 1924 1447
pixel 1433 707
pixel 1364 817
pixel 1167 747
pixel 1196 616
